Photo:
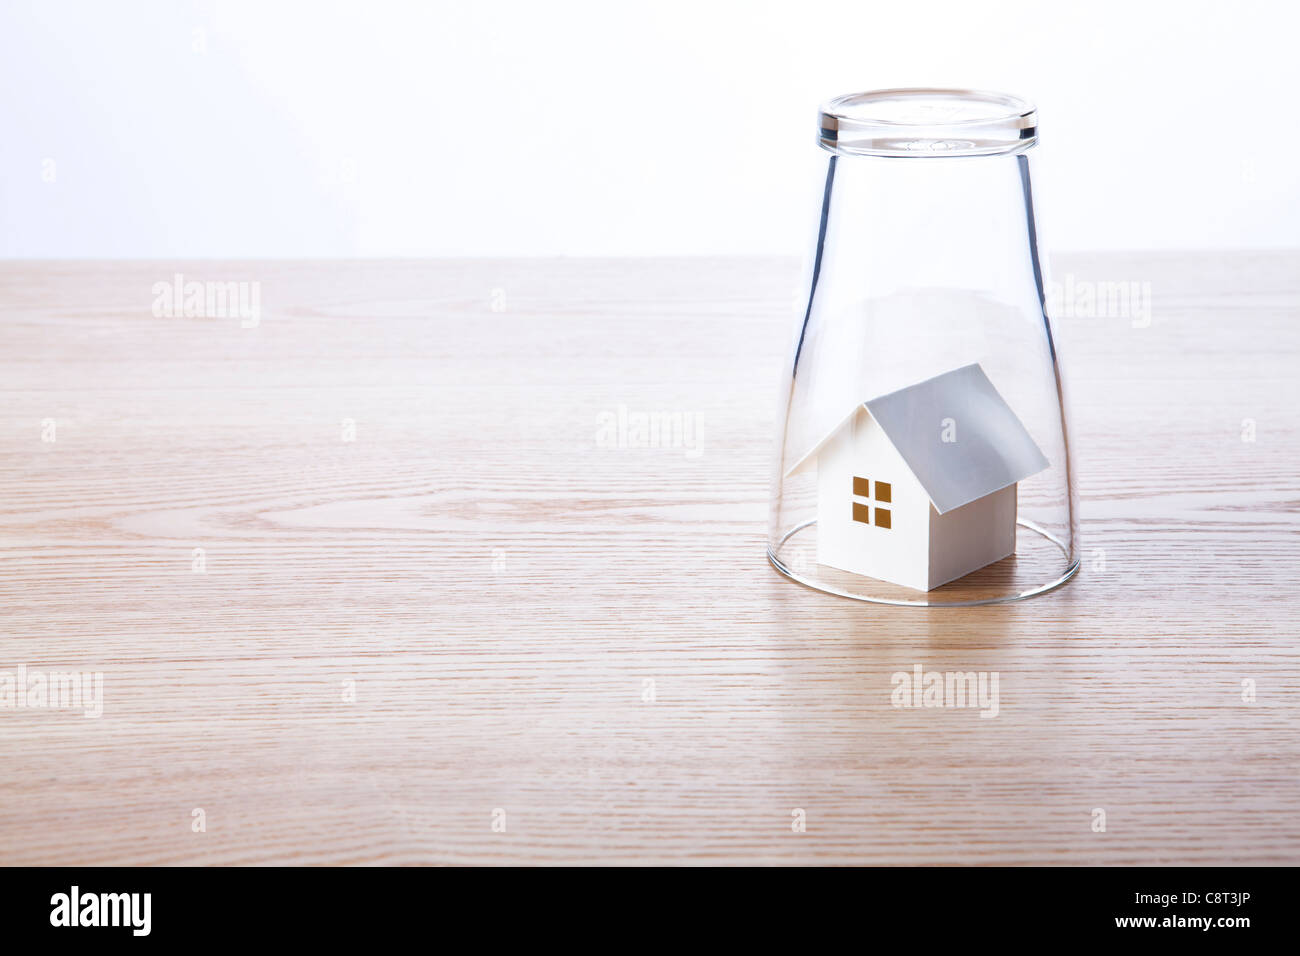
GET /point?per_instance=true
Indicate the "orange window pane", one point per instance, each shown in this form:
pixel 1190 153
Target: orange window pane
pixel 884 491
pixel 861 513
pixel 862 487
pixel 883 518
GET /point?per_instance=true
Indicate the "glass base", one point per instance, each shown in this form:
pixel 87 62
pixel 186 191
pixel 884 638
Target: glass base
pixel 1034 569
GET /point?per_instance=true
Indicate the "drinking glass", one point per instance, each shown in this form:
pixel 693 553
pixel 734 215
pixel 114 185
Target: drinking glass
pixel 922 454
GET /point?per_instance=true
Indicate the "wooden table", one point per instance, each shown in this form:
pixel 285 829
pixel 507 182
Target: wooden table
pixel 450 621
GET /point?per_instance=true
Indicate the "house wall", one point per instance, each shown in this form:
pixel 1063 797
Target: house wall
pixel 972 536
pixel 898 554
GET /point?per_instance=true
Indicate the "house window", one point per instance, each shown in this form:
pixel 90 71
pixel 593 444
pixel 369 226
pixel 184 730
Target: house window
pixel 884 495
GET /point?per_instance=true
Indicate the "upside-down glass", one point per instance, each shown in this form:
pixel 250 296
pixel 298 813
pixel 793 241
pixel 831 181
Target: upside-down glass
pixel 924 368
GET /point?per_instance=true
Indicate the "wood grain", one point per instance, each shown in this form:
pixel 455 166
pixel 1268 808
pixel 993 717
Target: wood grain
pixel 499 586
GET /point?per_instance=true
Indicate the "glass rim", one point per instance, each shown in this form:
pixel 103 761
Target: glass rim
pixel 937 598
pixel 920 122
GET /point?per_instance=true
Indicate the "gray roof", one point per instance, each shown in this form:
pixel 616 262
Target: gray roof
pixel 992 448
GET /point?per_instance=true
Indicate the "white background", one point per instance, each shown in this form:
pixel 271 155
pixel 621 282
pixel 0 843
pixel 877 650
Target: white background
pixel 250 129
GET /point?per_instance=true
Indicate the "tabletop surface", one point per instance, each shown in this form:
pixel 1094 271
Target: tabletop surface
pixel 364 586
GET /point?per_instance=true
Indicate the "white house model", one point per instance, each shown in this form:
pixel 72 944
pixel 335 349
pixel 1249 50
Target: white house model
pixel 918 487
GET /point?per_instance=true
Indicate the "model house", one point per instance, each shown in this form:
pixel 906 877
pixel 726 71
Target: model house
pixel 918 487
